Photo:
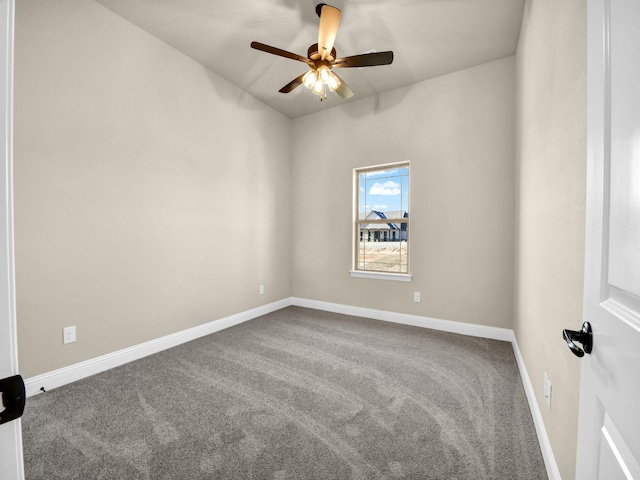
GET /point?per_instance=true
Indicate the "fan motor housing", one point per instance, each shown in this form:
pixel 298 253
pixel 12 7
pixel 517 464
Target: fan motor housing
pixel 313 54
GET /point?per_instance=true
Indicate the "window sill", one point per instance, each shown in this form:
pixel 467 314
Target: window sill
pixel 398 277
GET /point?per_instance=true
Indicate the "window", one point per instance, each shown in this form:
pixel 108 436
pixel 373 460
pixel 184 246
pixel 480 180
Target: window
pixel 382 221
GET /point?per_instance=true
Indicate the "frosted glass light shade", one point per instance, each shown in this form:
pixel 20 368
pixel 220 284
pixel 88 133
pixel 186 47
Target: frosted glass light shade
pixel 324 74
pixel 318 88
pixel 333 82
pixel 310 78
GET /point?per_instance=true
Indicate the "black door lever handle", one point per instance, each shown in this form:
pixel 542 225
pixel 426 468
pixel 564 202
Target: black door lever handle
pixel 584 336
pixel 13 398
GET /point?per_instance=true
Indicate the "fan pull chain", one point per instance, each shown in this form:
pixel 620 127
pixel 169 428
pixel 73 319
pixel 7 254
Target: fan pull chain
pixel 324 95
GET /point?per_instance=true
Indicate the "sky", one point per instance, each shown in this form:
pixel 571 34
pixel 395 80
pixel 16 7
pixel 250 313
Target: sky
pixel 384 190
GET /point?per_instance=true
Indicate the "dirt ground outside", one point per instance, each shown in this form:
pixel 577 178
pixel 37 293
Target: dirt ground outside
pixel 383 257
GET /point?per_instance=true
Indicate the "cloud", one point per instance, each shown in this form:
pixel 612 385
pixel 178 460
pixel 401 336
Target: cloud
pixel 387 188
pixel 380 207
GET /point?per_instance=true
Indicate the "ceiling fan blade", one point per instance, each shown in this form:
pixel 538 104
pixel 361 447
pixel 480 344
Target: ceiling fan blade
pixel 329 22
pixel 364 60
pixel 343 90
pixel 295 83
pixel 281 53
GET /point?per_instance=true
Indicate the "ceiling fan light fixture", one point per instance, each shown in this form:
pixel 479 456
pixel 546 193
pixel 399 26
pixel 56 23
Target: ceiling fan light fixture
pixel 310 78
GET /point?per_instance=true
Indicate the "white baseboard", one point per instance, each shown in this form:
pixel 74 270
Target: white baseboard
pixel 470 329
pixel 90 367
pixel 543 439
pixel 72 373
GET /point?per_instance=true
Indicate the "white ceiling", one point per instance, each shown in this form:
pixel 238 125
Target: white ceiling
pixel 429 38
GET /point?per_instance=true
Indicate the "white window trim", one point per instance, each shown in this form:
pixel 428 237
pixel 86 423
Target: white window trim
pixel 398 277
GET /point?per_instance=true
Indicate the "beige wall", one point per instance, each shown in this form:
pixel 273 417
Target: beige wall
pixel 150 194
pixel 551 66
pixel 458 132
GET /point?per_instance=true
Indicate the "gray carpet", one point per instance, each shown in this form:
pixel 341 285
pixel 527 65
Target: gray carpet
pixel 296 394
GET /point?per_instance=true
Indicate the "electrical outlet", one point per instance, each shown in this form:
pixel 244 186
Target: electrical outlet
pixel 547 390
pixel 261 289
pixel 68 335
pixel 416 297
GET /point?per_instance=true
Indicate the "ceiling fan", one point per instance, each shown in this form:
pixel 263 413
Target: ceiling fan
pixel 321 58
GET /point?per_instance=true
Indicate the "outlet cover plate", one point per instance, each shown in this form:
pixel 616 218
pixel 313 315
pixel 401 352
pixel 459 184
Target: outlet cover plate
pixel 68 335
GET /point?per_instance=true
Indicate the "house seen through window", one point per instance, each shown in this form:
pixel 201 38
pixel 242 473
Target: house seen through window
pixel 382 220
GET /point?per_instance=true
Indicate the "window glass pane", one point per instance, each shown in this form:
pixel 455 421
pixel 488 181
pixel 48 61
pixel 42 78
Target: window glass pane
pixel 362 196
pixel 376 254
pixel 384 191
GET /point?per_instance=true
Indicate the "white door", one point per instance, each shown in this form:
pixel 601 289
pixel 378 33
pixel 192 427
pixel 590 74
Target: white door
pixel 609 414
pixel 11 467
